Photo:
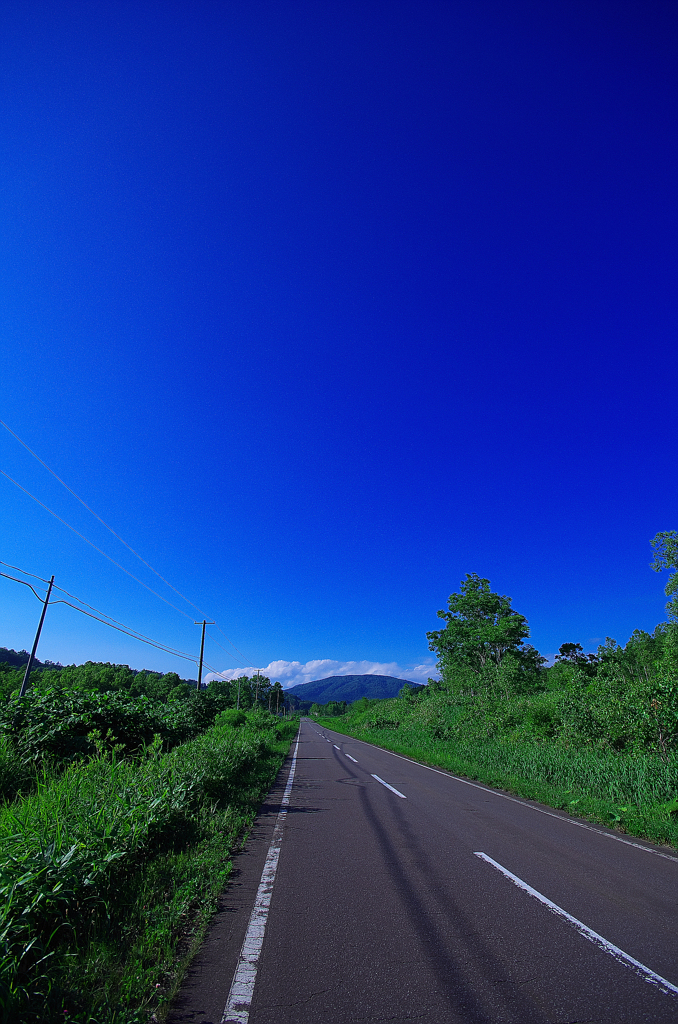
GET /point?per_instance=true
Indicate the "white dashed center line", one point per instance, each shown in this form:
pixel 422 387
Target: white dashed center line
pixel 351 758
pixel 392 788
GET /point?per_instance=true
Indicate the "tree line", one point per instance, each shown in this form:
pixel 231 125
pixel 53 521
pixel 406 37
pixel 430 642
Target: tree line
pixel 104 677
pixel 494 683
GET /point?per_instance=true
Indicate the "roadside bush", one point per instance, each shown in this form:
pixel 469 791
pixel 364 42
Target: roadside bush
pixel 17 775
pixel 232 717
pixel 68 847
pixel 54 727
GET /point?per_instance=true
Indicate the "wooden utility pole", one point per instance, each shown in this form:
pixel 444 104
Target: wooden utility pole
pixel 29 666
pixel 202 647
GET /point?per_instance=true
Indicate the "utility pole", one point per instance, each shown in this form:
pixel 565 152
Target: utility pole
pixel 202 647
pixel 29 666
pixel 256 696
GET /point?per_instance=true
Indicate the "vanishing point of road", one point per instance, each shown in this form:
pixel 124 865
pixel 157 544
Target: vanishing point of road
pixel 389 891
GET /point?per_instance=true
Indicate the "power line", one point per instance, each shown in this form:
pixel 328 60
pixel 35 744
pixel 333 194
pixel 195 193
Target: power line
pixel 63 591
pixel 247 662
pixel 24 583
pixel 116 535
pixel 107 616
pixel 113 623
pixel 244 665
pixel 82 537
pixel 135 636
pixel 86 604
pixel 17 569
pixel 119 626
pixel 116 622
pixel 85 505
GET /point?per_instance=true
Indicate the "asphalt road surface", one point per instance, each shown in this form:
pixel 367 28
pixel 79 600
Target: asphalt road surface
pixel 393 892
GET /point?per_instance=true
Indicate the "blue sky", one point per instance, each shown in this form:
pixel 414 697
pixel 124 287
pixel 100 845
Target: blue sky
pixel 323 305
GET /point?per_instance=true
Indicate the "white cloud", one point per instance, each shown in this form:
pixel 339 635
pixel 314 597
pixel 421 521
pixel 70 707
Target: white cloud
pixel 291 673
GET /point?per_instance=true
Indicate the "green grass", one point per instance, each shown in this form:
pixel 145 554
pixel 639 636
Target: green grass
pixel 111 869
pixel 632 792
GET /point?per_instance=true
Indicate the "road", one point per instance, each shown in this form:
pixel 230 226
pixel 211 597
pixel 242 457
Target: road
pixel 402 893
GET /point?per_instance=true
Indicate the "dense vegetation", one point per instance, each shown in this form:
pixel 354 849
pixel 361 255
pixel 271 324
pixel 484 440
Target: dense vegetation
pixel 594 733
pixel 104 677
pixel 123 795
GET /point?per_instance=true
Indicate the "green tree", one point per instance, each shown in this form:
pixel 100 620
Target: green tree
pixel 665 546
pixel 277 699
pixel 335 708
pixel 481 627
pixel 409 691
pixel 573 654
pixel 261 687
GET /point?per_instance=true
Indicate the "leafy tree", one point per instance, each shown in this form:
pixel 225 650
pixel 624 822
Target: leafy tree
pixel 481 627
pixel 362 704
pixel 277 699
pixel 240 691
pixel 16 658
pixel 644 650
pixel 180 692
pixel 409 691
pixel 610 651
pixel 334 708
pixel 573 654
pixel 665 546
pixel 530 659
pixel 261 687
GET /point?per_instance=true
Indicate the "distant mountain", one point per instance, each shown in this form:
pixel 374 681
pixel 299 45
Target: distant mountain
pixel 349 688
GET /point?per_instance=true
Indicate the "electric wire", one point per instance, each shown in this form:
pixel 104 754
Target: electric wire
pixel 137 632
pixel 117 535
pixel 107 616
pixel 85 505
pixel 215 641
pixel 82 537
pixel 40 599
pixel 17 569
pixel 135 636
pixel 63 591
pixel 113 623
pixel 129 629
pixel 247 662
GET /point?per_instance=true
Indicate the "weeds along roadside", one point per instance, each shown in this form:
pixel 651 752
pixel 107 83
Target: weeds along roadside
pixel 109 870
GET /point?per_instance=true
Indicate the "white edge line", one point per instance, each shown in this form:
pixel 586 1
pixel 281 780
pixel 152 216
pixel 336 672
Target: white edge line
pixel 608 947
pixel 237 1009
pixel 392 788
pixel 525 803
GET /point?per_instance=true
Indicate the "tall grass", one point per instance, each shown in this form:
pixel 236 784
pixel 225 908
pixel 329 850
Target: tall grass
pixel 82 851
pixel 17 774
